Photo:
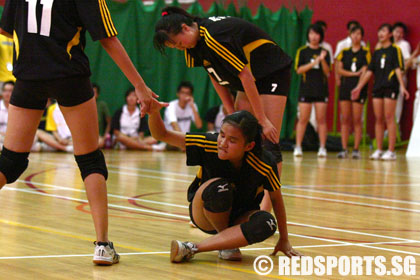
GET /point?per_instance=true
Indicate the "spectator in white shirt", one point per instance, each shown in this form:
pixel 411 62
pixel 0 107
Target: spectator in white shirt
pixel 129 128
pixel 399 30
pixel 183 111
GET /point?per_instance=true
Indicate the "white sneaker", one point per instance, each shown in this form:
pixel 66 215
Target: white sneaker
pixel 389 155
pixel 105 254
pixel 69 149
pixel 297 152
pixel 376 155
pixel 182 251
pixel 230 254
pixel 322 152
pixel 159 147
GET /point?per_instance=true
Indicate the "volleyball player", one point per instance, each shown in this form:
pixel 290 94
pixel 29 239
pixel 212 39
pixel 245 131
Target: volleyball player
pixel 227 191
pixel 352 64
pixel 313 63
pixel 387 65
pixel 49 39
pixel 238 56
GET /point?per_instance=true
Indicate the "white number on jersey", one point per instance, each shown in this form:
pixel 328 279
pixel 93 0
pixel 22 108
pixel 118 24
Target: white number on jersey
pixel 216 18
pixel 383 62
pixel 353 67
pixel 45 17
pixel 219 80
pixel 274 86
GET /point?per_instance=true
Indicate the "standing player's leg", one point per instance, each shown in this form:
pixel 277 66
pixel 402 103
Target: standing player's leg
pixel 304 114
pixel 390 106
pixel 345 108
pixel 357 109
pixel 83 123
pixel 274 106
pixel 378 110
pixel 21 128
pixel 321 120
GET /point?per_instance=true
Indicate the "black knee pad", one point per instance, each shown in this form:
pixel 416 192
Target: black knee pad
pixel 13 164
pixel 93 162
pixel 261 225
pixel 218 196
pixel 275 149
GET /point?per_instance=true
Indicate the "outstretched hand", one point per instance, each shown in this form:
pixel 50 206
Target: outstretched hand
pixel 148 102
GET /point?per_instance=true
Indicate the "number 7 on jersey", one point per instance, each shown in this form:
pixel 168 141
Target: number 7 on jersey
pixel 45 17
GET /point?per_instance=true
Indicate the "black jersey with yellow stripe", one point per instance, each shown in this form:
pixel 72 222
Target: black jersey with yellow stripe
pixel 384 63
pixel 258 171
pixel 49 35
pixel 313 83
pixel 228 44
pixel 353 62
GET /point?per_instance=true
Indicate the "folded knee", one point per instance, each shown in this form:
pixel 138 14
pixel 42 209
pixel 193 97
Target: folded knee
pixel 260 226
pixel 218 196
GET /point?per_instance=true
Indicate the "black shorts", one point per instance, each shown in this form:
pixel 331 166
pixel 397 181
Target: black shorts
pixel 345 95
pixel 234 215
pixel 68 92
pixel 386 93
pixel 277 83
pixel 313 99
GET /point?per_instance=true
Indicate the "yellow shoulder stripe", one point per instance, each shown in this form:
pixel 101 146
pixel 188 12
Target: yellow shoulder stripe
pixel 195 136
pixel 106 19
pixel 221 50
pixel 297 56
pixel 264 169
pixel 400 61
pixel 267 166
pixel 273 184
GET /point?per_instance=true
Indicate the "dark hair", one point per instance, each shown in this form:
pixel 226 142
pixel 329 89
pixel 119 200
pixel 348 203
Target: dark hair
pixel 402 25
pixel 98 88
pixel 321 23
pixel 170 23
pixel 249 127
pixel 7 83
pixel 389 27
pixel 352 22
pixel 185 84
pixel 358 27
pixel 317 29
pixel 128 91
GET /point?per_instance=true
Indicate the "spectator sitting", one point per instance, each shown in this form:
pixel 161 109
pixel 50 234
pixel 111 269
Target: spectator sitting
pixel 104 117
pixel 182 111
pixel 214 118
pixel 129 128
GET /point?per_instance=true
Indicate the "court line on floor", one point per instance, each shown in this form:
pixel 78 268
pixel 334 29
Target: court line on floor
pixel 284 194
pixel 343 244
pixel 187 217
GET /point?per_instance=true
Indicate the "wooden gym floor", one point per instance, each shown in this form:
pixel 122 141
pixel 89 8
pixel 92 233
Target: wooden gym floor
pixel 335 208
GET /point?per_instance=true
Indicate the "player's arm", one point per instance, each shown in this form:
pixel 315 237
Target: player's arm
pixel 159 132
pixel 324 64
pixel 308 66
pixel 224 95
pixel 399 73
pixel 251 91
pixel 283 244
pixel 364 79
pixel 341 71
pixel 117 52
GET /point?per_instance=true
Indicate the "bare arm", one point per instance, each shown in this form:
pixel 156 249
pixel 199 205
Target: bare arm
pixel 175 126
pixel 224 95
pixel 117 52
pixel 399 74
pixel 210 126
pixel 306 67
pixel 364 79
pixel 283 243
pixel 108 125
pixel 324 65
pixel 159 132
pixel 251 91
pixel 341 71
pixel 197 120
pixel 409 63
